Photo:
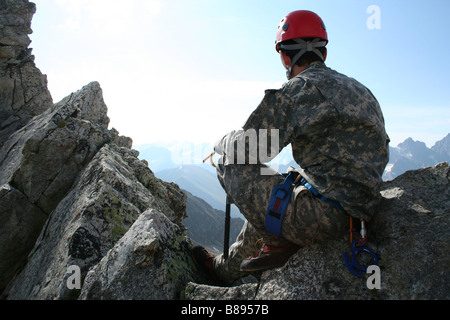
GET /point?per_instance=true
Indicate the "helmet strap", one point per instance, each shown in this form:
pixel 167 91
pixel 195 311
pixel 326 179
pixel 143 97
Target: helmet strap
pixel 303 47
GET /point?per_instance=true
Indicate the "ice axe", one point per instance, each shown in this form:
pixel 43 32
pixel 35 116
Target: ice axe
pixel 226 238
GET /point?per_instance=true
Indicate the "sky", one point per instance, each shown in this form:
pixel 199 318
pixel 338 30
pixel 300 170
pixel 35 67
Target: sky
pixel 193 70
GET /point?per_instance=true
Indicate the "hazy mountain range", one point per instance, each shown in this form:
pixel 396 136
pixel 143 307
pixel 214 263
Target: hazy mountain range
pixel 182 164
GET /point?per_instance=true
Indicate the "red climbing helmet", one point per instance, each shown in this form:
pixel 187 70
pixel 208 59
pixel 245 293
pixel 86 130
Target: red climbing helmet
pixel 307 32
pixel 300 24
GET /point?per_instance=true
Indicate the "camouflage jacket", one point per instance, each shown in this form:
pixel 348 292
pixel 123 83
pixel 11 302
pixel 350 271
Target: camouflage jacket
pixel 337 132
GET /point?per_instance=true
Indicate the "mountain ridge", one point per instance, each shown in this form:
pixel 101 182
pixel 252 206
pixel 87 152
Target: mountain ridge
pixel 82 217
pixel 201 183
pixel 412 155
pixel 206 225
pixel 200 179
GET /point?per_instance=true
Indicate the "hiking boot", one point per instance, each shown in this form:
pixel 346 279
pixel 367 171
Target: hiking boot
pixel 204 261
pixel 268 258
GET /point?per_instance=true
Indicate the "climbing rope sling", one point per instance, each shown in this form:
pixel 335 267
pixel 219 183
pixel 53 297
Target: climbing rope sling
pixel 357 247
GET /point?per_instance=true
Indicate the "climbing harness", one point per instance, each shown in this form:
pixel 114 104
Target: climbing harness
pixel 281 196
pixel 278 202
pixel 357 247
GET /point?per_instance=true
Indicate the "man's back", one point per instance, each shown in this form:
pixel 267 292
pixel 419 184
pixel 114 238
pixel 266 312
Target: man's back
pixel 340 140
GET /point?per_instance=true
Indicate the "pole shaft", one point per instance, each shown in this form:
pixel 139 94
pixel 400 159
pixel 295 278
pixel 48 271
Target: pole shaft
pixel 226 240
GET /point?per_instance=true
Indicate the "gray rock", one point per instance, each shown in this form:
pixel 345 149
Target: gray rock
pixel 43 158
pixel 409 234
pixel 69 187
pixel 150 262
pixel 40 162
pixel 195 291
pixel 82 217
pixel 20 223
pixel 23 88
pixel 110 194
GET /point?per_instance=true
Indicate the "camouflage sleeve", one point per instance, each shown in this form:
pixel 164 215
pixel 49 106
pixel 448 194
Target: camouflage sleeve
pixel 266 132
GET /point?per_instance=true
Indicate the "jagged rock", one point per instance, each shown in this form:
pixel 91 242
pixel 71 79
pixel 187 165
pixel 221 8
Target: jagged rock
pixel 69 187
pixel 23 88
pixel 75 196
pixel 108 197
pixel 43 146
pixel 151 261
pixel 40 162
pixel 410 234
pixel 20 225
pixel 43 158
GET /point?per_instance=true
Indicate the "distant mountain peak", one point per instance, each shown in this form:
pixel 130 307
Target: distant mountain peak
pixel 412 154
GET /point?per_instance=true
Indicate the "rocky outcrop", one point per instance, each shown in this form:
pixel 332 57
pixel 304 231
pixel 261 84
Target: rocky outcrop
pixel 151 261
pixel 107 198
pixel 410 235
pixel 70 188
pixel 23 95
pixel 39 164
pixel 23 88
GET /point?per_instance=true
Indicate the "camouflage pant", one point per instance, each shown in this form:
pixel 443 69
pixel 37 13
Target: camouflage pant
pixel 307 219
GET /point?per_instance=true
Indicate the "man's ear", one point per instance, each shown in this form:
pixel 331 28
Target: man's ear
pixel 285 59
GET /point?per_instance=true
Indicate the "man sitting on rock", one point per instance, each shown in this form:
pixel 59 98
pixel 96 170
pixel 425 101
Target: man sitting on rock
pixel 336 129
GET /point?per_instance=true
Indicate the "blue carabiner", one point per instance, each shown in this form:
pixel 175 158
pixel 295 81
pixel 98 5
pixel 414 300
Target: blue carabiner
pixel 352 264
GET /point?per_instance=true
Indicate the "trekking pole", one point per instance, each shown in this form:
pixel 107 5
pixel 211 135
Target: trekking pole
pixel 226 240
